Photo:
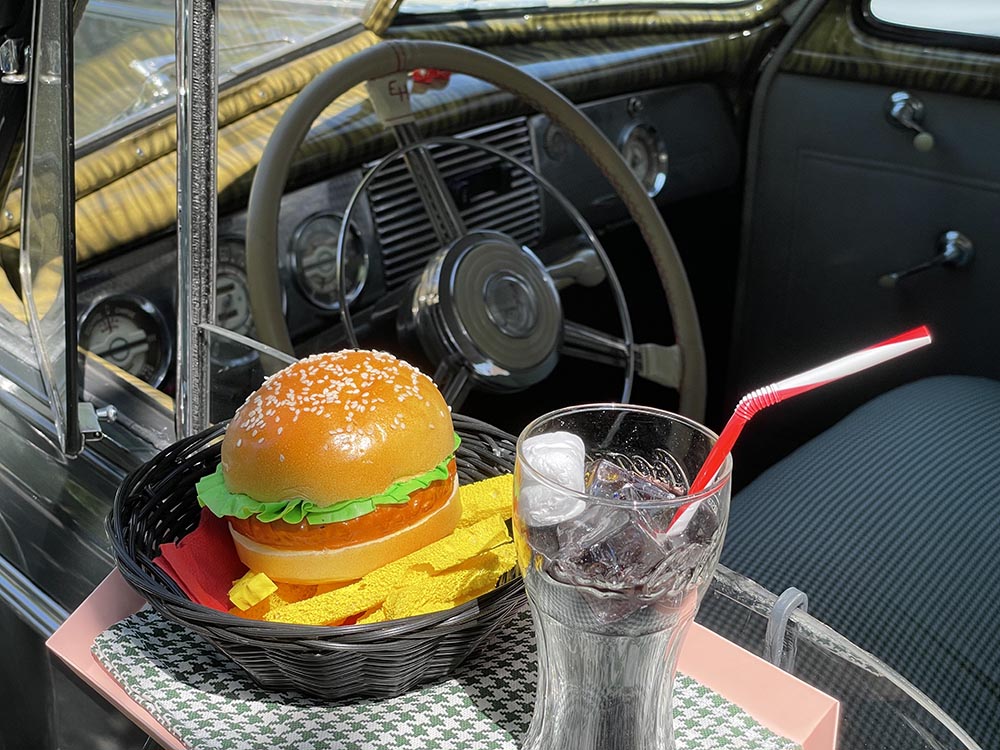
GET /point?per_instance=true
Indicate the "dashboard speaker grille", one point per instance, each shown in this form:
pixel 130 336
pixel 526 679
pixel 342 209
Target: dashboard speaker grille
pixel 494 197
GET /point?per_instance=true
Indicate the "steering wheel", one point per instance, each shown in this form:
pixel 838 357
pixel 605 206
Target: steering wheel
pixel 490 315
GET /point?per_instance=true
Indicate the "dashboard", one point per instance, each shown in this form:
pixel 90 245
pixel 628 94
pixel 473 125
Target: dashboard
pixel 679 141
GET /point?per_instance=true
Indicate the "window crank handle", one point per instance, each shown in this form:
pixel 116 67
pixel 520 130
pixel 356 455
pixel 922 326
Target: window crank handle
pixel 907 111
pixel 955 250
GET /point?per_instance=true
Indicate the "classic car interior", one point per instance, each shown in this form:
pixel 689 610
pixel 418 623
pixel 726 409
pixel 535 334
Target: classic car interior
pixel 798 178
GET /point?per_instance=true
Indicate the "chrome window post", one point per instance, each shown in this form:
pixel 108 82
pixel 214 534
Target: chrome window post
pixel 197 207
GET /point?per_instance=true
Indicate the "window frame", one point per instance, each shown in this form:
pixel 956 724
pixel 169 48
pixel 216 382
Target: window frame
pixel 867 21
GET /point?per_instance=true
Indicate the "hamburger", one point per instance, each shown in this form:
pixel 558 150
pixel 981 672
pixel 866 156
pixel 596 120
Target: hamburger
pixel 336 466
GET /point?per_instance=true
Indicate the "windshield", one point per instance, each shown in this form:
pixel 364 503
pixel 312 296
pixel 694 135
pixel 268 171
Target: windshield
pixel 451 6
pixel 124 50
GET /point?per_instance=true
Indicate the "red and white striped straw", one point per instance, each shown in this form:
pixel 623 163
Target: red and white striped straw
pixel 756 400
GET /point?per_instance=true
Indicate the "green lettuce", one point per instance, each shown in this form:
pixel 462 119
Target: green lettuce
pixel 213 494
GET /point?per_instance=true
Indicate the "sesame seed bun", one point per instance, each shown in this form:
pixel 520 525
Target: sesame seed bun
pixel 333 427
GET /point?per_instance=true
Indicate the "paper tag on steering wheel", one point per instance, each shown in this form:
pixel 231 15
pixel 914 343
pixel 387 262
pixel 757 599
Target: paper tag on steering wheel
pixel 391 98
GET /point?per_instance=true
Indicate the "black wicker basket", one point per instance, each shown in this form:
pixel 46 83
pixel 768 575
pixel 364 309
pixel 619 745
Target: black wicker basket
pixel 157 504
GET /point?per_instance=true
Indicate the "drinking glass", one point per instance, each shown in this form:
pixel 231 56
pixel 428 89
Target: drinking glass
pixel 615 558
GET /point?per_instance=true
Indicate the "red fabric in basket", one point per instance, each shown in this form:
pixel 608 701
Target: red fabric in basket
pixel 204 563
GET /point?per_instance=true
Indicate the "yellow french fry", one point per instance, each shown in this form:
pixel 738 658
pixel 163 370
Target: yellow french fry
pixel 251 589
pixel 372 590
pixel 485 498
pixel 444 590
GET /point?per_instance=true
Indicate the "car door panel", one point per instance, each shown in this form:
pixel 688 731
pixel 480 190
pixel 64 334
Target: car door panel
pixel 841 197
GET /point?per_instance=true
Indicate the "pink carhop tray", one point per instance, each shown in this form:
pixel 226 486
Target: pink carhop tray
pixel 110 602
pixel 779 702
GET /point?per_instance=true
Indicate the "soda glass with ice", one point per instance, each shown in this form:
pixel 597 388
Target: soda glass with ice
pixel 615 557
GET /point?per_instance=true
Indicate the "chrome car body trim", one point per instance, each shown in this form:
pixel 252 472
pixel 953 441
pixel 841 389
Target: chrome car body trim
pixel 28 601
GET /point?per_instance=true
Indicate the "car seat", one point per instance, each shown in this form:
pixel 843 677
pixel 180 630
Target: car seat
pixel 890 522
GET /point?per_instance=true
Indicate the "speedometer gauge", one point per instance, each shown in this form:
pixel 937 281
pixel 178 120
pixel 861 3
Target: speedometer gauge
pixel 645 155
pixel 129 332
pixel 232 303
pixel 232 300
pixel 314 261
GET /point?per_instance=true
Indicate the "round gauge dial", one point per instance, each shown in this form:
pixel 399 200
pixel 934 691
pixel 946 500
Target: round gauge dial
pixel 646 156
pixel 232 299
pixel 314 260
pixel 232 303
pixel 129 332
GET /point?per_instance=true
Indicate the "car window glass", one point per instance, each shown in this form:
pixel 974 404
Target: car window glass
pixel 18 363
pixel 125 50
pixel 980 17
pixel 235 372
pixel 47 222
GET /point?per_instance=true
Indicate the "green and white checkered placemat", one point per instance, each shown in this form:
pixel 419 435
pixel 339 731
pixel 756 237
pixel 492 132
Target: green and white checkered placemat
pixel 208 702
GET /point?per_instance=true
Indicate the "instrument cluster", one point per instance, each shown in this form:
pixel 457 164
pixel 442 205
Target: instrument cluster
pixel 128 301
